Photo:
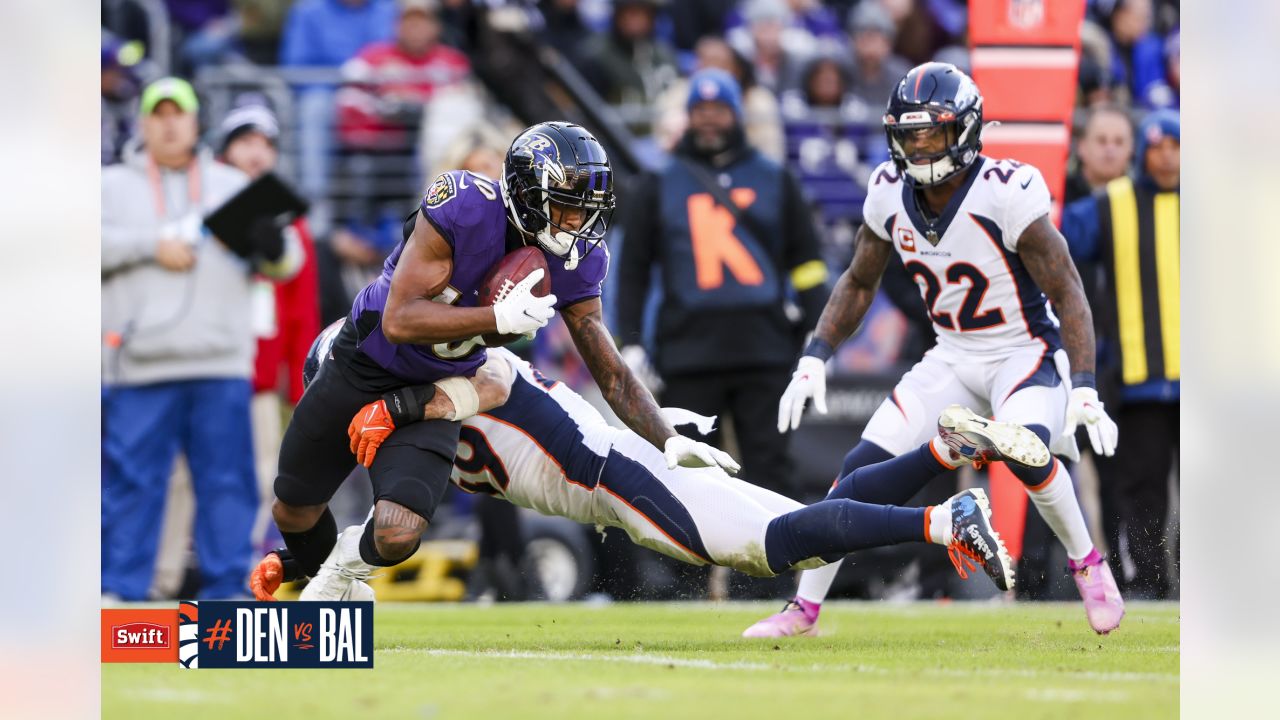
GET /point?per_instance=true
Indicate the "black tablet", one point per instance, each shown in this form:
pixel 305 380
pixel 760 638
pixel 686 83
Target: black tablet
pixel 268 196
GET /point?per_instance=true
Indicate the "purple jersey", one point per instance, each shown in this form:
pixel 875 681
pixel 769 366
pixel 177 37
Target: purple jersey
pixel 471 215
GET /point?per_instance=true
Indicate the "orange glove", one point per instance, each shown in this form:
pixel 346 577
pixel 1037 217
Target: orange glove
pixel 375 421
pixel 265 579
pixel 368 429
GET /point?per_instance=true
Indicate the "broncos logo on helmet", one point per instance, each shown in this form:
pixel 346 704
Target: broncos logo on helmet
pixel 560 164
pixel 934 98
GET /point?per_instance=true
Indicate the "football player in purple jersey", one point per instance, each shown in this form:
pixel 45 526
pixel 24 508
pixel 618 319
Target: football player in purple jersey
pixel 416 330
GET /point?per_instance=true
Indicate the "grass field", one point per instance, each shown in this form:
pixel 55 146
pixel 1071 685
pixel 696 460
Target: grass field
pixel 660 660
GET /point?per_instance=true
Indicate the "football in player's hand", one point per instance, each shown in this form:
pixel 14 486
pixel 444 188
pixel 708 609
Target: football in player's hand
pixel 502 278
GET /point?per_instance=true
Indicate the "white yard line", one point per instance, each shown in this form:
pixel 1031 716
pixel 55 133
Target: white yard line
pixel 638 658
pixel 1059 695
pixel 649 659
pixel 178 695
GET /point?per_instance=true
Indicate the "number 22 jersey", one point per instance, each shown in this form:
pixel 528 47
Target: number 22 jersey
pixel 980 298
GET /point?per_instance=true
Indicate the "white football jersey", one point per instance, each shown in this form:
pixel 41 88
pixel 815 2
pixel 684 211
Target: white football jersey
pixel 546 449
pixel 980 297
pixel 543 449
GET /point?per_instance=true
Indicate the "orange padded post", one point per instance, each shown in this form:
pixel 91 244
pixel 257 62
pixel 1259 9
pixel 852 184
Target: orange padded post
pixel 1008 507
pixel 1025 56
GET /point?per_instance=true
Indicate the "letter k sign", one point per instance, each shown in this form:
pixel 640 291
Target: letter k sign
pixel 714 244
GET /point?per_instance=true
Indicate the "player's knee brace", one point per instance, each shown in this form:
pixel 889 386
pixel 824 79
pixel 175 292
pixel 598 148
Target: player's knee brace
pixel 413 472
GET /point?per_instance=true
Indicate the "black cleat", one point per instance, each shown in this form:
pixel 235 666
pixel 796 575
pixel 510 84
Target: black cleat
pixel 974 542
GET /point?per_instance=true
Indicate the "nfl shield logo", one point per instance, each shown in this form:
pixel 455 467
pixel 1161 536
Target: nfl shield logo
pixel 1026 14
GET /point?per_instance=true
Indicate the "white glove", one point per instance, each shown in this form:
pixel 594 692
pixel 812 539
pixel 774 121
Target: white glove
pixel 520 311
pixel 638 361
pixel 690 453
pixel 1084 407
pixel 808 381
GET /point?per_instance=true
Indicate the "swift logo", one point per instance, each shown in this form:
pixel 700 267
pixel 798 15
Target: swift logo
pixel 133 635
pixel 136 635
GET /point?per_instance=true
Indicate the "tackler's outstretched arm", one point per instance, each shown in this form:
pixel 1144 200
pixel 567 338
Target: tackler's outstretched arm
pixel 628 397
pixel 452 398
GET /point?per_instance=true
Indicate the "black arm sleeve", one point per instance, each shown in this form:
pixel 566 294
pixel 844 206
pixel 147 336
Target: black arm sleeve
pixel 638 254
pixel 803 247
pixel 410 223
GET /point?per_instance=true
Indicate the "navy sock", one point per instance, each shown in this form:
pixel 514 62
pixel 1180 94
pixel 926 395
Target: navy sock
pixel 893 481
pixel 311 547
pixel 833 528
pixel 1034 476
pixel 863 454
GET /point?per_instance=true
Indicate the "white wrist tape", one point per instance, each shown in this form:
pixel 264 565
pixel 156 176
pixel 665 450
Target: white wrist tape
pixel 462 394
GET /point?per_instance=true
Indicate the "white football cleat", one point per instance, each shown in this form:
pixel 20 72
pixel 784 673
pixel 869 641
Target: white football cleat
pixel 343 574
pixel 980 441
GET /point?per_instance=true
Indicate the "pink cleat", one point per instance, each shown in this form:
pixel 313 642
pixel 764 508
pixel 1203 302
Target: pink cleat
pixel 799 617
pixel 1102 601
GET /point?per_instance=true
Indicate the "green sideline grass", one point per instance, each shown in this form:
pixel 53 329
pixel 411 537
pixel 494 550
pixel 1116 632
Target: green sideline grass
pixel 677 660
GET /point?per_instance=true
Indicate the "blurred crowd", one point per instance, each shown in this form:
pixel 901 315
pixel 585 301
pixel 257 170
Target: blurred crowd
pixel 357 104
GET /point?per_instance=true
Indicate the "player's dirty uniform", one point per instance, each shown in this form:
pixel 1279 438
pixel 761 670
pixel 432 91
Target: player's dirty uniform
pixel 412 466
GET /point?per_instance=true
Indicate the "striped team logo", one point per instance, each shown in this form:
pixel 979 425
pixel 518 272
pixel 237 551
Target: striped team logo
pixel 189 634
pixel 441 191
